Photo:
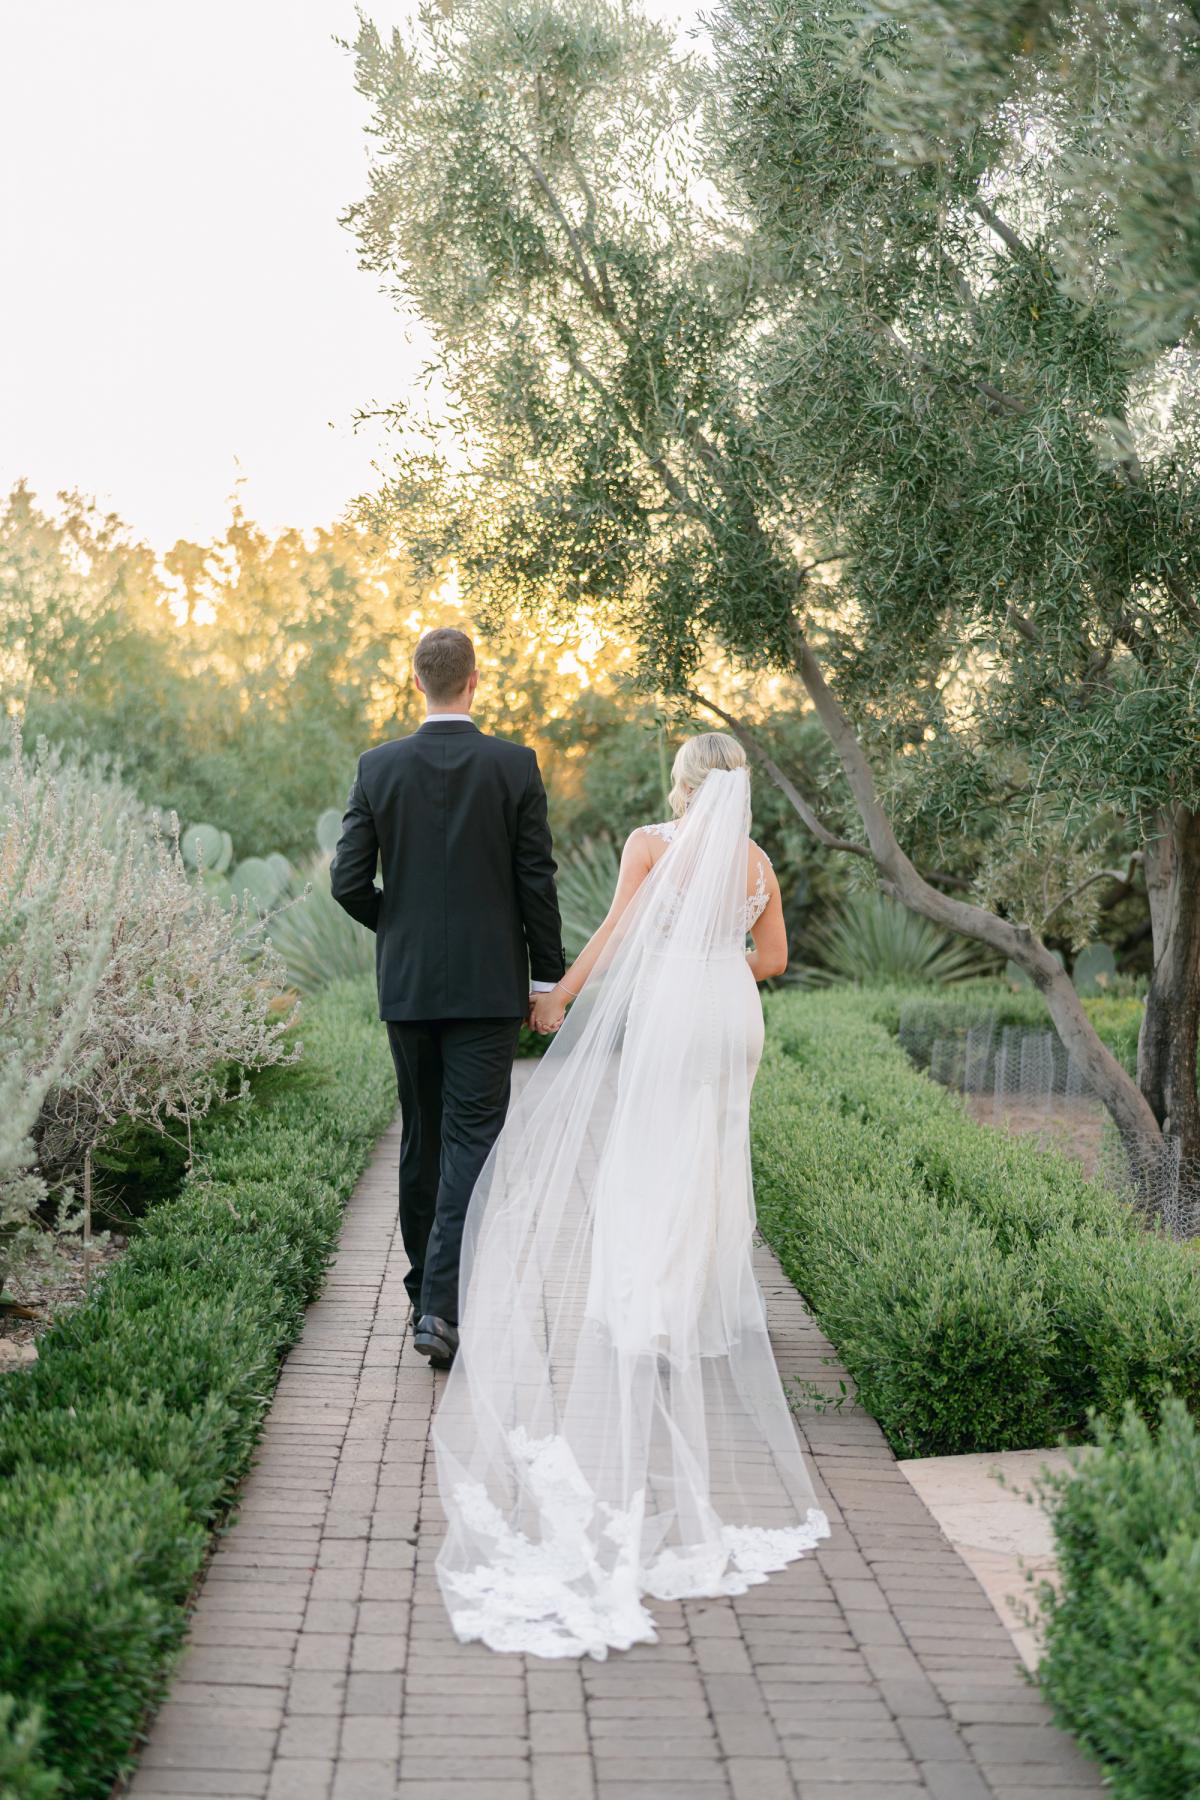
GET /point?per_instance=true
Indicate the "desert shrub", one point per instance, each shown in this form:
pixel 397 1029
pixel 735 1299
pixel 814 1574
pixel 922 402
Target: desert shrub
pixel 120 1446
pixel 1122 1629
pixel 983 1293
pixel 45 997
pixel 166 1006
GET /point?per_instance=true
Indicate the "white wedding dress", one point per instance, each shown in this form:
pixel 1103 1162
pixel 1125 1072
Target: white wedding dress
pixel 614 1427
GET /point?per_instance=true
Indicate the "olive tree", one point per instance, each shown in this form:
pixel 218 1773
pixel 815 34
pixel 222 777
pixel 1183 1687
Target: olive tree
pixel 728 366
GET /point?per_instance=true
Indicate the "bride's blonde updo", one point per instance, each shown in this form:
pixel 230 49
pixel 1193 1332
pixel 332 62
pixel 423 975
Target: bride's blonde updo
pixel 695 761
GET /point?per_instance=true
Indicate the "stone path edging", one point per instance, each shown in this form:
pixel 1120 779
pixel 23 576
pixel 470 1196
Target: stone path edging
pixel 320 1664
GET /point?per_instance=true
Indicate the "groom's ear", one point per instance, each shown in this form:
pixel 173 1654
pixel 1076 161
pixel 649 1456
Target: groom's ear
pixel 472 683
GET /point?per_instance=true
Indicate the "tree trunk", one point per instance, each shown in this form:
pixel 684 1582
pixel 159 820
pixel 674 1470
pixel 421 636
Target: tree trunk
pixel 1114 1087
pixel 1167 1045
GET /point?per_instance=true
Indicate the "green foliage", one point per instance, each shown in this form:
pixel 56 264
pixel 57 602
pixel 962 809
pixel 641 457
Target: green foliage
pixel 740 353
pixel 317 938
pixel 120 1446
pixel 1115 99
pixel 982 1292
pixel 587 880
pixel 23 1774
pixel 1122 1629
pixel 93 1578
pixel 1117 1020
pixel 873 940
pixel 237 681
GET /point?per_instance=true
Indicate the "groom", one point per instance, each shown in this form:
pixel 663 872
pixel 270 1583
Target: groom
pixel 467 934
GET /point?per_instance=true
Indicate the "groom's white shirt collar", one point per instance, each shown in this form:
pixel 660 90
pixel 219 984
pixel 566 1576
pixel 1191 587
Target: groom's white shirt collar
pixel 535 987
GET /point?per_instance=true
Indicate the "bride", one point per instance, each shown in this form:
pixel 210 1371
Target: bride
pixel 614 1428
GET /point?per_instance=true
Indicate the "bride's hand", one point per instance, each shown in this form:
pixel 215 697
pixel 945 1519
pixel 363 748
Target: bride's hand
pixel 547 1012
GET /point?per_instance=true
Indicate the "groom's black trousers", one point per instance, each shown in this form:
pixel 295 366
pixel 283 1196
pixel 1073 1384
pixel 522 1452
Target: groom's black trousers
pixel 454 1077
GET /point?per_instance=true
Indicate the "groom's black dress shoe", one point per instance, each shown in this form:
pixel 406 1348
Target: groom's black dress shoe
pixel 435 1339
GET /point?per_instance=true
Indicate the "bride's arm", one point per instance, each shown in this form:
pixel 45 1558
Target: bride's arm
pixel 769 934
pixel 636 863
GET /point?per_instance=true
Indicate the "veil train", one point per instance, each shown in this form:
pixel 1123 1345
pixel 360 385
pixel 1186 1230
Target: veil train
pixel 614 1426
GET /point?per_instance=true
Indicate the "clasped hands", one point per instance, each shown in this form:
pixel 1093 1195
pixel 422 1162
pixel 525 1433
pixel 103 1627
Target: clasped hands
pixel 546 1011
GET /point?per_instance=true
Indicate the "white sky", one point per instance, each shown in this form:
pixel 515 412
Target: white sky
pixel 179 305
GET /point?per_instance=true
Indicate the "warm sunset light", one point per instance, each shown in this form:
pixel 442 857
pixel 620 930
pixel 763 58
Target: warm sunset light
pixel 600 900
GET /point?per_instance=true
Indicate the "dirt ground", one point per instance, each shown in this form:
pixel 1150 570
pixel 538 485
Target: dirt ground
pixel 1075 1127
pixel 41 1295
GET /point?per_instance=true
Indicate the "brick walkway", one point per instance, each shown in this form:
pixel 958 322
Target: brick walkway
pixel 320 1665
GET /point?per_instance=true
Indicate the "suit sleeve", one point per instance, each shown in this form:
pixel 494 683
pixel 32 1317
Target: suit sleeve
pixel 536 892
pixel 352 871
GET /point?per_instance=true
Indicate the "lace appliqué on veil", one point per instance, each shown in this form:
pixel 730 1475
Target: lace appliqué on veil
pixel 578 1592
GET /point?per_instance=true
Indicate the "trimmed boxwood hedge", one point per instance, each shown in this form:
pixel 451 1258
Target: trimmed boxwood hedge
pixel 1122 1631
pixel 122 1444
pixel 982 1292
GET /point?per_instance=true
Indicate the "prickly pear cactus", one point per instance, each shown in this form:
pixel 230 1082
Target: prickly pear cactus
pixel 329 829
pixel 254 875
pixel 1095 969
pixel 202 846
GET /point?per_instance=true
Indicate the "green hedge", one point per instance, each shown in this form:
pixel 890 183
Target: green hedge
pixel 1117 1019
pixel 982 1292
pixel 1122 1662
pixel 121 1445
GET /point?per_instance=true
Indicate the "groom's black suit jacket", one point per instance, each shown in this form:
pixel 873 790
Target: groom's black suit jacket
pixel 468 913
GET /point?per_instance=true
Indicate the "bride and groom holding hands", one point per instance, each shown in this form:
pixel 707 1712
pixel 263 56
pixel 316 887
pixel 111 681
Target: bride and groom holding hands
pixel 613 1427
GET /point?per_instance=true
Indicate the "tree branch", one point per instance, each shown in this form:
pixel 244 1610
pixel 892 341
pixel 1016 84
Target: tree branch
pixel 1128 1105
pixel 750 741
pixel 1123 878
pixel 1004 232
pixel 1026 627
pixel 600 299
pixel 653 458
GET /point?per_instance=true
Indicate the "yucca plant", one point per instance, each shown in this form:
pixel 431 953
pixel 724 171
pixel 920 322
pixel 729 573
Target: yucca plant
pixel 586 883
pixel 316 939
pixel 875 939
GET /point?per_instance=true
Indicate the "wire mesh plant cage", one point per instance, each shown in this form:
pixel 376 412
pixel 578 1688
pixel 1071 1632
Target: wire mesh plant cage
pixel 1024 1077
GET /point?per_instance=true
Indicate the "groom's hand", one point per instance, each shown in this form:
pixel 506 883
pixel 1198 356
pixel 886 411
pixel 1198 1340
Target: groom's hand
pixel 546 1012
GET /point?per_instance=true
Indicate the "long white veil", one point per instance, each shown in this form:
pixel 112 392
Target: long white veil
pixel 614 1424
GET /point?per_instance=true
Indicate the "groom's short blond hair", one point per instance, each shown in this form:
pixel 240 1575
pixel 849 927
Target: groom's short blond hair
pixel 443 661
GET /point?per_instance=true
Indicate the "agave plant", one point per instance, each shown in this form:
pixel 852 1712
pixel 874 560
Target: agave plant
pixel 317 940
pixel 875 939
pixel 586 882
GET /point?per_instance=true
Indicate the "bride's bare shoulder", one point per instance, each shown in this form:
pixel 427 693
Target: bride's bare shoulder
pixel 641 845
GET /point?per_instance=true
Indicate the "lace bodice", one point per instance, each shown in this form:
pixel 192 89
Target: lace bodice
pixel 756 903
